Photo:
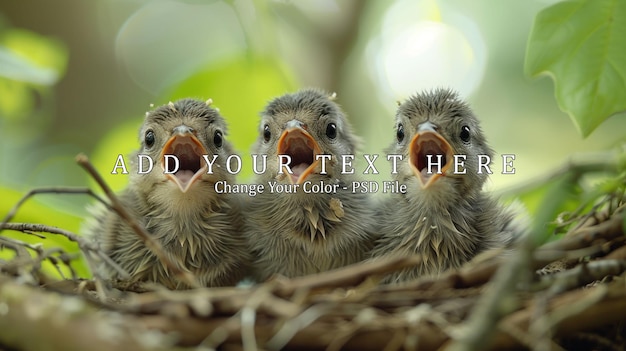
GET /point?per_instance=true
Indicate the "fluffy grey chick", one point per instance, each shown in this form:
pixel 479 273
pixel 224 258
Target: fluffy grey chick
pixel 446 218
pixel 197 227
pixel 293 232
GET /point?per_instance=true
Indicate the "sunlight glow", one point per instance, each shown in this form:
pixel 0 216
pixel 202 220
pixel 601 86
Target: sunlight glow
pixel 422 47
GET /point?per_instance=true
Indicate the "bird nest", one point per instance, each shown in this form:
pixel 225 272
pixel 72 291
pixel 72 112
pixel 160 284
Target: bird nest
pixel 569 293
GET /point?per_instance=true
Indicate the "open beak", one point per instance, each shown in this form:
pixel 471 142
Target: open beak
pixel 188 150
pixel 302 148
pixel 429 142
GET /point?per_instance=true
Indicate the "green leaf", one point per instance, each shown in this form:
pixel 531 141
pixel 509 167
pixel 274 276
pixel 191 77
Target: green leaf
pixel 20 69
pixel 29 65
pixel 582 46
pixel 28 57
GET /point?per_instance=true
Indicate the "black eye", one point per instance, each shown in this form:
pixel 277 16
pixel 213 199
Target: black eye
pixel 266 133
pixel 149 138
pixel 331 130
pixel 400 133
pixel 465 134
pixel 217 138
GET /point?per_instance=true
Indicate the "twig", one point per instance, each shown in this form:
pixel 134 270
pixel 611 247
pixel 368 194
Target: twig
pixel 496 301
pixel 572 311
pixel 34 192
pixel 347 276
pixel 41 255
pixel 84 245
pixel 583 237
pixel 576 165
pixel 63 256
pixel 248 316
pixel 289 330
pixel 580 275
pixel 18 246
pixel 180 272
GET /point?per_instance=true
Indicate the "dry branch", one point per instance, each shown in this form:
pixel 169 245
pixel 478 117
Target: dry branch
pixel 177 270
pixel 57 190
pixel 88 248
pixel 607 306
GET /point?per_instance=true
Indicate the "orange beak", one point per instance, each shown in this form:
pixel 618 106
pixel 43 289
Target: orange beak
pixel 302 148
pixel 187 149
pixel 430 144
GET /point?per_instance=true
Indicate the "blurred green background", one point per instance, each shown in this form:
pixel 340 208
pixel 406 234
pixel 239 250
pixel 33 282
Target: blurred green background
pixel 78 76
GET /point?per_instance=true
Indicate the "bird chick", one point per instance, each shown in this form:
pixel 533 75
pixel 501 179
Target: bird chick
pixel 446 218
pixel 197 228
pixel 300 231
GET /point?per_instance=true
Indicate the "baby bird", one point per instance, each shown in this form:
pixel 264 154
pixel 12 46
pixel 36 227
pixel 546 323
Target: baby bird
pixel 196 227
pixel 299 229
pixel 446 218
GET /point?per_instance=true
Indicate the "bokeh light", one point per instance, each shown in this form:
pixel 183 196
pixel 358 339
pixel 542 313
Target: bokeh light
pixel 423 46
pixel 166 40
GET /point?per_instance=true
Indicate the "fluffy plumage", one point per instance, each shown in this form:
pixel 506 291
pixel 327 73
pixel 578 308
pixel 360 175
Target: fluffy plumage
pixel 196 227
pixel 447 219
pixel 299 233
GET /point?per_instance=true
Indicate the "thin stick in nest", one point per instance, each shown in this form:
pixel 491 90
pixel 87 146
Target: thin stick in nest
pixel 116 205
pixel 55 190
pixel 88 248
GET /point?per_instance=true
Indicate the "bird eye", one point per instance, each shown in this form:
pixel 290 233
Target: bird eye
pixel 331 130
pixel 217 138
pixel 149 138
pixel 465 134
pixel 400 133
pixel 266 133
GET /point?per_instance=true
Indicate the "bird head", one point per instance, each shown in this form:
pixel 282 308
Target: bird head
pixel 182 134
pixel 437 125
pixel 303 125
